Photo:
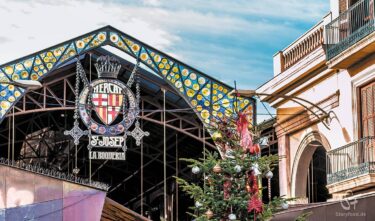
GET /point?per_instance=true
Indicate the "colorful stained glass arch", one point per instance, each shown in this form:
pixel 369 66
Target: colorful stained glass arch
pixel 209 97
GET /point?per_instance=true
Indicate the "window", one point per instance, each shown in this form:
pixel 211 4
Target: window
pixel 367 110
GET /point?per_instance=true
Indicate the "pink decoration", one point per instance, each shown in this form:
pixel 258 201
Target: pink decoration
pixel 255 204
pixel 255 148
pixel 246 140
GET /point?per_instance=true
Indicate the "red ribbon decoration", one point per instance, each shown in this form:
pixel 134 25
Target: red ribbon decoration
pixel 246 140
pixel 254 202
pixel 227 186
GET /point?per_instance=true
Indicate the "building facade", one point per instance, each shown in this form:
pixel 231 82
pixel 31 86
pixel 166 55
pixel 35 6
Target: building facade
pixel 326 150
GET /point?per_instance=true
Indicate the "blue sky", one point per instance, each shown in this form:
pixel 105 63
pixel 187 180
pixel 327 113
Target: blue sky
pixel 230 40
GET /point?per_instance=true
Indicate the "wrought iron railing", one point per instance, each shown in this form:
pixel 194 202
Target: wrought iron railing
pixel 351 160
pixel 351 26
pixel 36 168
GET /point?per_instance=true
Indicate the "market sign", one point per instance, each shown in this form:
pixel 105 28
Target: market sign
pixel 102 141
pixel 108 108
pixel 100 155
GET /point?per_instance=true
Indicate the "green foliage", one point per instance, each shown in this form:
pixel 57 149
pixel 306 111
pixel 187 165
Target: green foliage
pixel 228 183
pixel 211 194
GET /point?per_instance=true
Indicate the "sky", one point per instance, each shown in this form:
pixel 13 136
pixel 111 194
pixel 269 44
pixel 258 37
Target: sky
pixel 232 40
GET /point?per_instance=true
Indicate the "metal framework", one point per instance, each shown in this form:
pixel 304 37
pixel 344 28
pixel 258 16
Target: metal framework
pixel 42 115
pixel 208 97
pixel 352 160
pixel 51 99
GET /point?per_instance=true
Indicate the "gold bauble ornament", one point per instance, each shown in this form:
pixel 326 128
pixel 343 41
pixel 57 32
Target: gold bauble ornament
pixel 217 168
pixel 248 189
pixel 209 214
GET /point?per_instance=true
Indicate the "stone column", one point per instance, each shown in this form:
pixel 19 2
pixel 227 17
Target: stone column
pixel 284 165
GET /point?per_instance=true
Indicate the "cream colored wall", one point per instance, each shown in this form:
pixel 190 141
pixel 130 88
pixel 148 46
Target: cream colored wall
pixel 343 126
pixel 321 85
pixel 334 5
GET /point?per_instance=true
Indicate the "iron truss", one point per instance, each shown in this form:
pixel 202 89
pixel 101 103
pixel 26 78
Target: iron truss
pixel 52 98
pixel 208 97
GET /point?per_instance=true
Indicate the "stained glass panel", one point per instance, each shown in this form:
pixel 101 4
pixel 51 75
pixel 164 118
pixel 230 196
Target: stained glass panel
pixel 208 97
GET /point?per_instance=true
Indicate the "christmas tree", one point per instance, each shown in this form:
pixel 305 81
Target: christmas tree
pixel 229 188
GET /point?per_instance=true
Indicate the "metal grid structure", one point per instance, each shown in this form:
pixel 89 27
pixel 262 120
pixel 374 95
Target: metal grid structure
pixel 352 160
pixel 40 116
pixel 209 97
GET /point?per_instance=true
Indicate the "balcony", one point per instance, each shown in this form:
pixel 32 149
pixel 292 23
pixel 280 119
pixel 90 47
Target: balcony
pixel 299 49
pixel 303 46
pixel 347 35
pixel 351 167
pixel 296 62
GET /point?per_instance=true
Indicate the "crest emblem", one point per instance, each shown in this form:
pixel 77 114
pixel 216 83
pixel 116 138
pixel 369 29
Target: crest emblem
pixel 108 108
pixel 108 98
pixel 107 105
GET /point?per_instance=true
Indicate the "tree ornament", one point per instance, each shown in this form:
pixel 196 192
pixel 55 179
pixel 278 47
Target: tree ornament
pixel 76 171
pixel 209 180
pixel 255 204
pixel 238 168
pixel 255 148
pixel 198 204
pixel 195 170
pixel 252 182
pixel 285 205
pixel 226 188
pixel 232 216
pixel 269 174
pixel 229 154
pixel 255 168
pixel 209 214
pixel 230 190
pixel 246 140
pixel 217 168
pixel 248 188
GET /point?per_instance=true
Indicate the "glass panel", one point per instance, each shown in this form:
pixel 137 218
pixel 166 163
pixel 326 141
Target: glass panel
pixel 3 171
pixel 47 188
pixel 19 188
pixel 79 198
pixel 46 211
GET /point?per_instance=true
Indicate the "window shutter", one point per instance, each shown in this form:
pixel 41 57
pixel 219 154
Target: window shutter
pixel 343 5
pixel 368 110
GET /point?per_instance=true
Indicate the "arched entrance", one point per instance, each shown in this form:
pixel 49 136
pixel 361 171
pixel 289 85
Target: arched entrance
pixel 309 177
pixel 316 190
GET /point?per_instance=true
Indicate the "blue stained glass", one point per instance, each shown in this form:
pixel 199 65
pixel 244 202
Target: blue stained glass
pixel 83 43
pixel 69 52
pixel 118 42
pixel 193 85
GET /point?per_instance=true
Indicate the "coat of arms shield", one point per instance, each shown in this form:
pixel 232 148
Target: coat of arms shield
pixel 107 101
